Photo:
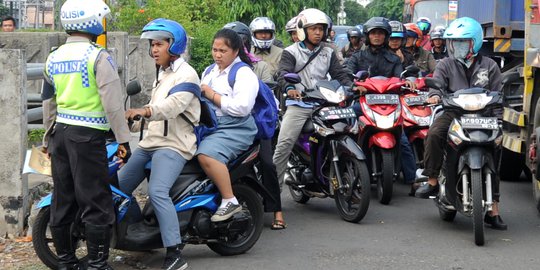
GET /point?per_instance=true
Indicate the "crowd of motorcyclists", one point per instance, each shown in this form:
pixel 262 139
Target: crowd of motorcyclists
pixel 76 124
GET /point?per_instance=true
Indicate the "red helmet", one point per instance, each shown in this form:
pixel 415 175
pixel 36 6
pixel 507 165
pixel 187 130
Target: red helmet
pixel 414 31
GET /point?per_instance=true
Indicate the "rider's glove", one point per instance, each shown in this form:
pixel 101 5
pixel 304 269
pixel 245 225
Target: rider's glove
pixel 124 152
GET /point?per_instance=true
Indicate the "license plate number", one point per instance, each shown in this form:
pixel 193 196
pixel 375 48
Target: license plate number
pixel 332 113
pixel 415 100
pixel 479 123
pixel 385 99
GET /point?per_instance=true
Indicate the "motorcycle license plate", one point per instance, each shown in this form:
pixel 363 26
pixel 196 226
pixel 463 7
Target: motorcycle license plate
pixel 333 113
pixel 385 99
pixel 479 123
pixel 416 100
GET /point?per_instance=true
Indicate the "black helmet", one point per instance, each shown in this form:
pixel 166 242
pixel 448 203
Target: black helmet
pixel 377 23
pixel 242 30
pixel 354 32
pixel 398 31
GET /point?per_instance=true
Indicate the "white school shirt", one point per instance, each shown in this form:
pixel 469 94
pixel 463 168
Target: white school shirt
pixel 237 102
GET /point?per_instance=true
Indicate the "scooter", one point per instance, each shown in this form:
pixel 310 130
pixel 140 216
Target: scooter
pixel 469 166
pixel 380 130
pixel 195 198
pixel 326 161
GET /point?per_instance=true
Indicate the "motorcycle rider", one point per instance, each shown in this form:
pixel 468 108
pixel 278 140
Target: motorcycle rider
pixel 168 153
pixel 268 169
pixel 290 27
pixel 424 24
pixel 438 44
pixel 356 42
pixel 312 28
pixel 464 68
pixel 422 58
pixel 263 31
pixel 84 103
pixel 397 41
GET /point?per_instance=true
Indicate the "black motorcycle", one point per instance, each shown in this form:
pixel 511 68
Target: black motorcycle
pixel 326 161
pixel 469 165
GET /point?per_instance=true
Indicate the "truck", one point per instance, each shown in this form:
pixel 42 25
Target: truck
pixel 512 38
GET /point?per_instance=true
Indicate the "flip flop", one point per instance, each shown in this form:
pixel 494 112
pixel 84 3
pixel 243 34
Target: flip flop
pixel 278 225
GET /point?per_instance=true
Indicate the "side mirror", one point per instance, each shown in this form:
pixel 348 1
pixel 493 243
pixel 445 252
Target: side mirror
pixel 133 88
pixel 510 77
pixel 411 70
pixel 435 83
pixel 361 75
pixel 292 78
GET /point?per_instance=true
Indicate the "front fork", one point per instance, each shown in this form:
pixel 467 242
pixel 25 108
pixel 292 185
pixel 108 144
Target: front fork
pixel 335 180
pixel 488 203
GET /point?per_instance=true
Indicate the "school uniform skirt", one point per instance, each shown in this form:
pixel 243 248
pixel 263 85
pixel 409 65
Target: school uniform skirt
pixel 233 136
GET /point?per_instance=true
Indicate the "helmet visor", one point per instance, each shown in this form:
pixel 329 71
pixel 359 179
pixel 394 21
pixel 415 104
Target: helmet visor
pixel 159 35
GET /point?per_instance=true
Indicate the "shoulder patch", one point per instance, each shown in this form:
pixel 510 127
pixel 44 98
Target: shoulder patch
pixel 111 61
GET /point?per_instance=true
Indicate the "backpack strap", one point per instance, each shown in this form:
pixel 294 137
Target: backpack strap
pixel 233 71
pixel 193 88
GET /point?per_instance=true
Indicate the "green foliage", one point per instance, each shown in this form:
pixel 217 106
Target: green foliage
pixel 391 9
pixel 35 135
pixel 356 13
pixel 3 9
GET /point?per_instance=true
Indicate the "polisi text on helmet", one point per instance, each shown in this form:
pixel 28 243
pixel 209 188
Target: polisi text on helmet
pixel 72 14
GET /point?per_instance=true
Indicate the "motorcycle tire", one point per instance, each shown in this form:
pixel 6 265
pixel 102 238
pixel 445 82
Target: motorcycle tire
pixel 353 201
pixel 296 193
pixel 251 202
pixel 536 193
pixel 385 183
pixel 478 208
pixel 43 243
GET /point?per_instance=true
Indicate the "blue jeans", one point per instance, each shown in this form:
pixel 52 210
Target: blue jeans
pixel 408 162
pixel 166 167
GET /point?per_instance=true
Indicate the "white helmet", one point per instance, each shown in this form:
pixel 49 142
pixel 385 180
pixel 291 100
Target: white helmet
pixel 310 17
pixel 84 16
pixel 291 25
pixel 262 24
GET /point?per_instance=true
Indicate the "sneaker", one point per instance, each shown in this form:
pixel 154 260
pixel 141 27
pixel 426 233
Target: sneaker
pixel 224 213
pixel 175 263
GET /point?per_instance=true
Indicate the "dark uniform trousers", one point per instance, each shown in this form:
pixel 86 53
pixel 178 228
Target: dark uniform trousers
pixel 80 171
pixel 435 144
pixel 269 177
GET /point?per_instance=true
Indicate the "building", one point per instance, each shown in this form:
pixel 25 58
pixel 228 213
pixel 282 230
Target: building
pixel 31 14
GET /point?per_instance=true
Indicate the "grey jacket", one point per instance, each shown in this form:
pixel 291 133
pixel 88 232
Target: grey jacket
pixel 296 56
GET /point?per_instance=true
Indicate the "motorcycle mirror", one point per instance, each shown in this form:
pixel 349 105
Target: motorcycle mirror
pixel 361 75
pixel 510 77
pixel 434 83
pixel 411 70
pixel 292 78
pixel 133 88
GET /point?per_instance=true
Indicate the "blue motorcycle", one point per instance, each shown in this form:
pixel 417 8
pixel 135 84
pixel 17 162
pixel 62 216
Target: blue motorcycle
pixel 195 198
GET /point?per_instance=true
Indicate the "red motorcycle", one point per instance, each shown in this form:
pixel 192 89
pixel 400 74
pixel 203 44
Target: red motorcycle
pixel 416 118
pixel 380 129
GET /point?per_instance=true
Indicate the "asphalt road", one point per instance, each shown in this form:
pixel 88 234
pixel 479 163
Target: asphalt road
pixel 407 234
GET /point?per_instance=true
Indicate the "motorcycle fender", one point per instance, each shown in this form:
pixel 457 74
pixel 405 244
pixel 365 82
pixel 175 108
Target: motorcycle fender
pixel 419 134
pixel 45 201
pixel 475 158
pixel 384 140
pixel 347 145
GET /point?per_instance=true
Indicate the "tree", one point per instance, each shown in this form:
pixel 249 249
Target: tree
pixel 391 9
pixel 4 11
pixel 356 13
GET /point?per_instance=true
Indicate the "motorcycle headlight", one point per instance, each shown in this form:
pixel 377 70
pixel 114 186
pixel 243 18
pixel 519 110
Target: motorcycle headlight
pixel 455 139
pixel 322 130
pixel 456 134
pixel 331 96
pixel 384 121
pixel 472 102
pixel 419 120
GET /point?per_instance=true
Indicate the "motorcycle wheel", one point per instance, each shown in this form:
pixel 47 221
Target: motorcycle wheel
pixel 447 215
pixel 42 240
pixel 385 182
pixel 251 203
pixel 536 193
pixel 353 201
pixel 478 209
pixel 297 194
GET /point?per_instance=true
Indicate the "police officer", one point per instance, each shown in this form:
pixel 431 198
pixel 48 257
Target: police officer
pixel 85 104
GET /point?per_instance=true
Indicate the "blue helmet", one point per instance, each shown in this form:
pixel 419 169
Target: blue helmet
pixel 167 29
pixel 466 28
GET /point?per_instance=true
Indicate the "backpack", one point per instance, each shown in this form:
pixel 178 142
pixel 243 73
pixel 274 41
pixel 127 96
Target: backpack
pixel 208 120
pixel 265 110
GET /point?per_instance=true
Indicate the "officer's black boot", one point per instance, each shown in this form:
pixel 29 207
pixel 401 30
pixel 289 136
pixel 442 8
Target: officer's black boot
pixel 97 240
pixel 65 247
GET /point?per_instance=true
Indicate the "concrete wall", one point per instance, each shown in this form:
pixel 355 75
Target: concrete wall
pixel 13 142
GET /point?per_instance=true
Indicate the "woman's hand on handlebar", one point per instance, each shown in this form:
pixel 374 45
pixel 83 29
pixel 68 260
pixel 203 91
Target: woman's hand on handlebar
pixel 411 85
pixel 136 114
pixel 294 94
pixel 360 89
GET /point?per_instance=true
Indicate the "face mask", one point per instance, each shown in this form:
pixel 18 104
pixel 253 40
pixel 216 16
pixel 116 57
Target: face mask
pixel 461 52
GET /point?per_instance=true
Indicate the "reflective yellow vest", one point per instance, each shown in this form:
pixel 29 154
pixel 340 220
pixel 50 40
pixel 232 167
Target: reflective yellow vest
pixel 71 70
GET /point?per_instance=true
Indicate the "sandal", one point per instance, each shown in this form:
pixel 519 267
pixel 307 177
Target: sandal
pixel 278 225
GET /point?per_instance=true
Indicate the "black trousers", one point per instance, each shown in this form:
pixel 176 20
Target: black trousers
pixel 269 177
pixel 435 144
pixel 79 171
